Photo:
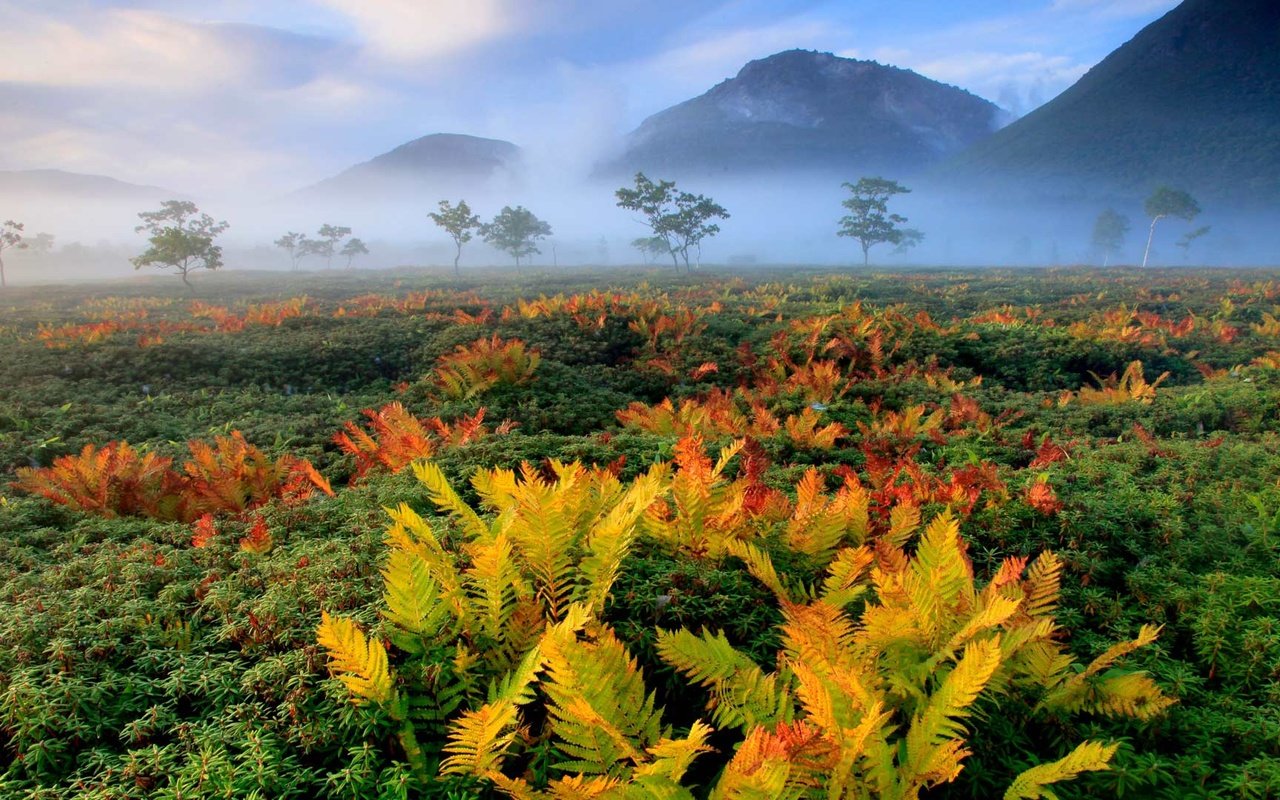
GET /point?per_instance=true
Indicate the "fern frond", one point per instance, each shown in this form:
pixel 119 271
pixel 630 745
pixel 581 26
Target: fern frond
pixel 760 565
pixel 446 499
pixel 934 740
pixel 849 566
pixel 360 663
pixel 742 694
pixel 1086 757
pixel 1043 585
pixel 411 597
pixel 601 716
pixel 610 539
pixel 672 757
pixel 479 739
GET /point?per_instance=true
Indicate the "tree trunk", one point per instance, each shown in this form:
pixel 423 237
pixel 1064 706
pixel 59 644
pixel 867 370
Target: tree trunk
pixel 457 255
pixel 1147 253
pixel 866 254
pixel 2 281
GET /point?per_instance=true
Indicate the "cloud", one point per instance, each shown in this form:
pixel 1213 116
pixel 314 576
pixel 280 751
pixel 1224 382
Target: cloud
pixel 413 30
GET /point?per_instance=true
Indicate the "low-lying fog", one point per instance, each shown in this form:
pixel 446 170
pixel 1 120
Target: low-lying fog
pixel 775 220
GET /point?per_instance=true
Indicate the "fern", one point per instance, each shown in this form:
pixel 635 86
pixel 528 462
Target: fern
pixel 1086 757
pixel 360 663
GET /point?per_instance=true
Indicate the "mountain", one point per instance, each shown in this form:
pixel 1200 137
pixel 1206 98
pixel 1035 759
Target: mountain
pixel 441 162
pixel 814 111
pixel 56 184
pixel 1192 101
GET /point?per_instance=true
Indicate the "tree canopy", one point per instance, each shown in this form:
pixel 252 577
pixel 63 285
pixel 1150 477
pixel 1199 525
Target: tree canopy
pixel 1167 202
pixel 680 219
pixel 459 223
pixel 869 220
pixel 181 238
pixel 515 231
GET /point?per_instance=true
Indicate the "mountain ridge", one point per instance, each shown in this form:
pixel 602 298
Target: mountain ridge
pixel 438 161
pixel 1192 100
pixel 810 110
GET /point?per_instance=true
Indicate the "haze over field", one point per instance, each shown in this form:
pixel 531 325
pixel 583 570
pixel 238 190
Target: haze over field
pixel 289 115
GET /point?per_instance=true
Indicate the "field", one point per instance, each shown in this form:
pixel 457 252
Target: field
pixel 766 534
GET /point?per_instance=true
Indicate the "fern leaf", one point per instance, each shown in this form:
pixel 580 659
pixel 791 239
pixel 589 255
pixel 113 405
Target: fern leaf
pixel 479 739
pixel 1042 585
pixel 412 600
pixel 360 663
pixel 446 499
pixel 1086 757
pixel 933 742
pixel 760 565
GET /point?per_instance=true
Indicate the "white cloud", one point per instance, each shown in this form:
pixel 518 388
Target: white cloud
pixel 412 30
pixel 116 48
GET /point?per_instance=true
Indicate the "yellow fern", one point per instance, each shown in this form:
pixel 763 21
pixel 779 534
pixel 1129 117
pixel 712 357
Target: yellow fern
pixel 360 663
pixel 1086 757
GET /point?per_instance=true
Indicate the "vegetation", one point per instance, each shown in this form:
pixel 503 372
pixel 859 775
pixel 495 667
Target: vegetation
pixel 1167 202
pixel 1109 232
pixel 10 238
pixel 459 223
pixel 963 534
pixel 515 231
pixel 869 220
pixel 179 239
pixel 678 219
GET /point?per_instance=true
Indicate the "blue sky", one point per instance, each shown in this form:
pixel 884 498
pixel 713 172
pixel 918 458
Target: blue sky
pixel 237 94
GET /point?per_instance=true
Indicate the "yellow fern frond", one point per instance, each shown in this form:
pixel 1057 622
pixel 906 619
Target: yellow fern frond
pixel 672 757
pixel 446 499
pixel 760 565
pixel 1042 584
pixel 479 739
pixel 1086 757
pixel 411 597
pixel 609 540
pixel 904 519
pixel 847 569
pixel 744 695
pixel 360 663
pixel 934 740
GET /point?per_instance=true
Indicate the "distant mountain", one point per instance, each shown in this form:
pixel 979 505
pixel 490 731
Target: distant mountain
pixel 440 162
pixel 814 111
pixel 55 183
pixel 1192 101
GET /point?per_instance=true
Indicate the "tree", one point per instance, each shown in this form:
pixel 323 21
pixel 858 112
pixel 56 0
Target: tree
pixel 1189 238
pixel 1166 202
pixel 354 247
pixel 458 222
pixel 870 221
pixel 327 244
pixel 10 239
pixel 650 247
pixel 295 244
pixel 515 231
pixel 680 219
pixel 181 238
pixel 1108 233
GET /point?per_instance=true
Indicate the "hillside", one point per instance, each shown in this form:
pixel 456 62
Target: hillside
pixel 806 110
pixel 440 162
pixel 1193 100
pixel 73 185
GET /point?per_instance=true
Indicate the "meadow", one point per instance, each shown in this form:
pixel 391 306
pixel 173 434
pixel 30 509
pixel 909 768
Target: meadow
pixel 765 534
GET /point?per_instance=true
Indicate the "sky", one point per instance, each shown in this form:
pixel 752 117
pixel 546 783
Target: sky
pixel 254 95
